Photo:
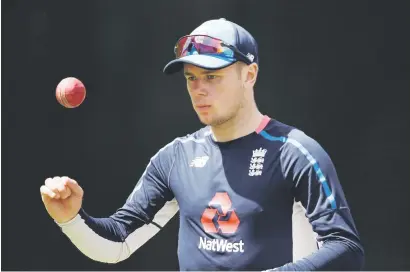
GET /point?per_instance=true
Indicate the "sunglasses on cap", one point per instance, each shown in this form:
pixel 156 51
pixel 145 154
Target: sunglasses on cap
pixel 206 45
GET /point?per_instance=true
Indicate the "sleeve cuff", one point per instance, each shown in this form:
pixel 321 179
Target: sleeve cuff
pixel 70 222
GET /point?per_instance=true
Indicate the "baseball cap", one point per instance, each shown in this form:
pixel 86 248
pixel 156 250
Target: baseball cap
pixel 235 44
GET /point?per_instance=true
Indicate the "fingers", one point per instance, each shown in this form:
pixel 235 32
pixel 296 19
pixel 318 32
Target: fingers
pixel 50 183
pixel 53 184
pixel 63 189
pixel 73 185
pixel 47 193
pixel 56 188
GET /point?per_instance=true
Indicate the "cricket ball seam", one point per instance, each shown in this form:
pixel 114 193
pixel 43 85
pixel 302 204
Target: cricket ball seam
pixel 63 96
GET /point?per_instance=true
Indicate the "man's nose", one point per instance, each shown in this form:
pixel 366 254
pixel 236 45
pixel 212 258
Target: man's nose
pixel 199 88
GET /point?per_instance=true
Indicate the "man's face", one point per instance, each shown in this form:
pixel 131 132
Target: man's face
pixel 216 95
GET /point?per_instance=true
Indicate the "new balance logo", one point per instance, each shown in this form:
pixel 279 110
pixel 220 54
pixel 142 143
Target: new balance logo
pixel 257 160
pixel 199 161
pixel 250 56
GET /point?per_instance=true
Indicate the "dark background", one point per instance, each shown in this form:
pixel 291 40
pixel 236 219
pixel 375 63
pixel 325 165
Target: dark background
pixel 339 70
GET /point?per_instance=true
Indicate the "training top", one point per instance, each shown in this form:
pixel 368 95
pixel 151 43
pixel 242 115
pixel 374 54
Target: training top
pixel 235 204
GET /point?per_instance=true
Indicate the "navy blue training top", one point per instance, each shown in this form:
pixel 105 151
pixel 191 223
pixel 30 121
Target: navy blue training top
pixel 235 200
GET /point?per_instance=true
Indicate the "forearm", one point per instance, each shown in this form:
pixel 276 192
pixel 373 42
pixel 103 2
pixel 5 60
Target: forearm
pixel 333 255
pixel 101 239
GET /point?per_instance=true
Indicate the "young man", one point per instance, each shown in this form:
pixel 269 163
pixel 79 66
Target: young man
pixel 235 180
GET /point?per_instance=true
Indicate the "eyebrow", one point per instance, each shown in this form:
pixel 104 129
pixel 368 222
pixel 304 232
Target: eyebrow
pixel 202 73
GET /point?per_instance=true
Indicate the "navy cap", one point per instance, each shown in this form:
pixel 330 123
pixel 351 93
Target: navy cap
pixel 227 31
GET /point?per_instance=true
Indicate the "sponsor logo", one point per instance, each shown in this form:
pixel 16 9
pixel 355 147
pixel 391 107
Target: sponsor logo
pixel 219 245
pixel 220 217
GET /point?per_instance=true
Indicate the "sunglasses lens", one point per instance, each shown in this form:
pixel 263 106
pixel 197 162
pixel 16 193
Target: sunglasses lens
pixel 181 46
pixel 203 45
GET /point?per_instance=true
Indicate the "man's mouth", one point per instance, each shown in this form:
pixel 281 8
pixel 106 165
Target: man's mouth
pixel 202 107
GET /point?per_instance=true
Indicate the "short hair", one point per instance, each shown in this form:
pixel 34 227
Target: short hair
pixel 239 68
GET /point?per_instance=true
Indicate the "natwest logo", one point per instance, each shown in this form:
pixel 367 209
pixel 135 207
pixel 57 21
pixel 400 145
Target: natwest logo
pixel 219 216
pixel 220 245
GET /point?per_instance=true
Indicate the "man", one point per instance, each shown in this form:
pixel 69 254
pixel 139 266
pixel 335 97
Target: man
pixel 235 180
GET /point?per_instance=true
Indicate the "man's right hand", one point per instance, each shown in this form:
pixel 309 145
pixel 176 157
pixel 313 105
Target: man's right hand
pixel 62 198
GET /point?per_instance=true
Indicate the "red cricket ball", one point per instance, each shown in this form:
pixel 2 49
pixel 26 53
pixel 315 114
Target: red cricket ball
pixel 70 92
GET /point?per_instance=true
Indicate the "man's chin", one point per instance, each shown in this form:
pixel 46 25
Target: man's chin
pixel 206 120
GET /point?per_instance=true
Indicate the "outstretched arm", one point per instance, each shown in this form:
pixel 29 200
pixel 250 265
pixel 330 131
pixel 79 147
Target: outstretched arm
pixel 115 238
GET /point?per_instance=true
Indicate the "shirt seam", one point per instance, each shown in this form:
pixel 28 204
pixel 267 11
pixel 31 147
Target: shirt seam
pixel 172 167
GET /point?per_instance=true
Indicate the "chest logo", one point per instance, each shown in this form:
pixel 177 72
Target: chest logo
pixel 199 161
pixel 220 217
pixel 257 160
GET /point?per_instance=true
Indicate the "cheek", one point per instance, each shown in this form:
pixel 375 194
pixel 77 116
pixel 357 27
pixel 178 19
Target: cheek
pixel 232 99
pixel 228 94
pixel 189 89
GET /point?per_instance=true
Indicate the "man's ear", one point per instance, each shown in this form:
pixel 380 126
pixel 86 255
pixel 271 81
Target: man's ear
pixel 251 74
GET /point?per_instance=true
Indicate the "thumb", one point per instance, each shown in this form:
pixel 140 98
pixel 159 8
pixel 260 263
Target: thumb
pixel 74 187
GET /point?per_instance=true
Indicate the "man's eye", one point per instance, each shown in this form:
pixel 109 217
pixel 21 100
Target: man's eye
pixel 191 78
pixel 211 77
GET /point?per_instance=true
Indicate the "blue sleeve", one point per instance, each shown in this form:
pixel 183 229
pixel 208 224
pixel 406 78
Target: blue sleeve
pixel 148 197
pixel 316 185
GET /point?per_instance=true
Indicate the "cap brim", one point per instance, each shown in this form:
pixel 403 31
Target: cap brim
pixel 202 61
